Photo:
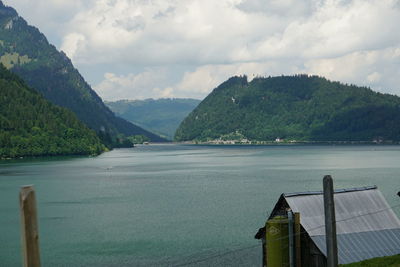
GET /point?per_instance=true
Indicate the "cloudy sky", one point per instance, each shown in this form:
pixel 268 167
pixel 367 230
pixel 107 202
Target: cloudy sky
pixel 136 49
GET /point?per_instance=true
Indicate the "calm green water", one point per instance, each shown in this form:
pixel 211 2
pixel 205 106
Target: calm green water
pixel 169 205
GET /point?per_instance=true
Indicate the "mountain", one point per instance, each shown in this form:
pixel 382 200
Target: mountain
pixel 26 52
pixel 300 107
pixel 161 116
pixel 32 126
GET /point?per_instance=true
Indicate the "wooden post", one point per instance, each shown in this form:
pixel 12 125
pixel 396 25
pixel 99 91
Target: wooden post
pixel 29 227
pixel 330 222
pixel 291 238
pixel 297 234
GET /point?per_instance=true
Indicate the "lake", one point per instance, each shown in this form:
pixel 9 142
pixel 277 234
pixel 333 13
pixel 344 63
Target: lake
pixel 174 205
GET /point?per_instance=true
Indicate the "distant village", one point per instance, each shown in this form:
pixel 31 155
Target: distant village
pixel 244 141
pixel 281 141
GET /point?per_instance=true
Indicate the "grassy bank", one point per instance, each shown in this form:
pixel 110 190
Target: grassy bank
pixel 390 261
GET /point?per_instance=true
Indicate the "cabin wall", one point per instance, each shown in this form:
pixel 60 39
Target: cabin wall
pixel 264 252
pixel 311 256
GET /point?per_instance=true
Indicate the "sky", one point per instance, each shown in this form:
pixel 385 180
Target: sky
pixel 137 49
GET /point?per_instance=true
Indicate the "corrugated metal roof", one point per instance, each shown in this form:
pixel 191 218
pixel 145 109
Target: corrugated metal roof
pixel 365 224
pixel 355 211
pixel 365 245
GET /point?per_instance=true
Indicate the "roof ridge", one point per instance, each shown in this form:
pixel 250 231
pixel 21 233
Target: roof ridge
pixel 336 191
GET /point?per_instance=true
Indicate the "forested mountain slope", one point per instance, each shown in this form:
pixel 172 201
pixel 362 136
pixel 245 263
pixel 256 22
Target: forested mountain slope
pixel 26 51
pixel 161 116
pixel 32 126
pixel 301 107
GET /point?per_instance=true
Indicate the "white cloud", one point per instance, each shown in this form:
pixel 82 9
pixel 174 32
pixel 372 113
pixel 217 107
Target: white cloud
pixel 133 86
pixel 374 77
pixel 164 93
pixel 208 31
pixel 205 78
pixel 379 69
pixel 154 82
pixel 72 43
pixel 353 41
pixel 51 16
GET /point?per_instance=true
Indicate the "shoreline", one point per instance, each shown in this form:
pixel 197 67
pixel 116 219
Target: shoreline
pixel 213 143
pixel 274 143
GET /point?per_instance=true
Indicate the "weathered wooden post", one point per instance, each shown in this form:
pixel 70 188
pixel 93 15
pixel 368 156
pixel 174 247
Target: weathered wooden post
pixel 330 222
pixel 297 234
pixel 29 227
pixel 291 239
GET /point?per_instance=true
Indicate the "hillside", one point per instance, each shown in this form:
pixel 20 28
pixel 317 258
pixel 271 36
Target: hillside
pixel 301 107
pixel 161 116
pixel 32 126
pixel 26 51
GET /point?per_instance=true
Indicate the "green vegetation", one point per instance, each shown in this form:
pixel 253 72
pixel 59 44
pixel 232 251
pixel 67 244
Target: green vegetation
pixel 390 261
pixel 9 60
pixel 27 53
pixel 32 126
pixel 161 116
pixel 301 108
pixel 138 139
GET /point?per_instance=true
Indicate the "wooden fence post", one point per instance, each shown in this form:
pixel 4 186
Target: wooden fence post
pixel 330 222
pixel 29 227
pixel 297 233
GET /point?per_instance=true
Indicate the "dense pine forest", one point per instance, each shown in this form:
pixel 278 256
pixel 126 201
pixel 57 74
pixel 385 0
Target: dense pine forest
pixel 32 126
pixel 301 108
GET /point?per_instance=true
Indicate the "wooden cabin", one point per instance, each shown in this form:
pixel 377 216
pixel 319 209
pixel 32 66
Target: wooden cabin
pixel 366 227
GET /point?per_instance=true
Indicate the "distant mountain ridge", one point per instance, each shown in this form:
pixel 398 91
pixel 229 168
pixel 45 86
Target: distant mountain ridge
pixel 161 116
pixel 26 52
pixel 300 107
pixel 32 126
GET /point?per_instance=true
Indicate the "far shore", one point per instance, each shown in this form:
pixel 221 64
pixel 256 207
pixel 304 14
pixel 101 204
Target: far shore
pixel 277 143
pixel 215 143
